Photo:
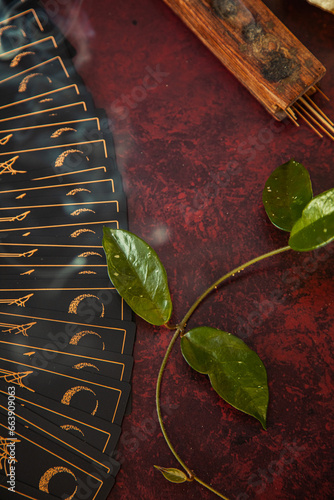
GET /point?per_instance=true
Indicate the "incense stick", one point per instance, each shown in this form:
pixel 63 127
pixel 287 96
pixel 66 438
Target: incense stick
pixel 308 123
pixel 325 121
pixel 321 92
pixel 318 109
pixel 312 118
pixel 309 112
pixel 292 116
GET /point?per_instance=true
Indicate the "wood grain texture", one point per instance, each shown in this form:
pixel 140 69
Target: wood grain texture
pixel 255 46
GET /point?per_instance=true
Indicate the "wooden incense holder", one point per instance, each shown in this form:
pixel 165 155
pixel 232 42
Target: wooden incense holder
pixel 257 48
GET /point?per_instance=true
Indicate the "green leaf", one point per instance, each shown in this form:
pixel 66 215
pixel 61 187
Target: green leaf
pixel 236 372
pixel 315 228
pixel 286 193
pixel 138 275
pixel 173 475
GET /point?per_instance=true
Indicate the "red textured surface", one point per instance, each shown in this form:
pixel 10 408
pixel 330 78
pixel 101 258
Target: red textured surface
pixel 195 152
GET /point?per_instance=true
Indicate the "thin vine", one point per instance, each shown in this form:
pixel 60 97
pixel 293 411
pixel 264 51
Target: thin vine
pixel 235 371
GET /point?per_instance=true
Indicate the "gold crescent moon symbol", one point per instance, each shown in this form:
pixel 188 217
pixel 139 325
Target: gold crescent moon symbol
pixel 88 254
pixel 60 131
pixel 77 233
pixel 77 190
pixel 17 59
pixel 48 99
pixel 66 399
pixel 62 157
pixel 24 84
pixel 73 307
pixel 78 336
pixel 80 366
pixel 49 474
pixel 81 211
pixel 72 428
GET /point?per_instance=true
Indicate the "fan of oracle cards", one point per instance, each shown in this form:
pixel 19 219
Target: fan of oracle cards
pixel 66 337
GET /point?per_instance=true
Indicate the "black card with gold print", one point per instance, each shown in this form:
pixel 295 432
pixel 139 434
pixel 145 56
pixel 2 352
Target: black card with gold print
pixel 65 231
pixel 82 301
pixel 56 434
pixel 66 112
pixel 60 331
pixel 29 163
pixel 48 467
pixel 93 394
pixel 43 77
pixel 19 28
pixel 90 185
pixel 29 55
pixel 45 107
pixel 95 431
pixel 37 352
pixel 27 21
pixel 48 214
pixel 50 134
pixel 29 254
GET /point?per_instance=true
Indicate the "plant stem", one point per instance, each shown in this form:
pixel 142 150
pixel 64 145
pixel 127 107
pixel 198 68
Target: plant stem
pixel 180 331
pixel 157 399
pixel 162 425
pixel 209 488
pixel 225 277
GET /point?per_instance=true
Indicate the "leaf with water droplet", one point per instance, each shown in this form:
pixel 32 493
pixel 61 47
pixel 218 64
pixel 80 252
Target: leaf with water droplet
pixel 286 193
pixel 315 228
pixel 172 475
pixel 138 275
pixel 236 372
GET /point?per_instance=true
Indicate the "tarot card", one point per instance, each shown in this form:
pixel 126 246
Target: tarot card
pixel 64 231
pixel 99 186
pixel 42 426
pixel 28 164
pixel 47 107
pixel 38 136
pixel 94 394
pixel 29 55
pixel 60 331
pixel 96 432
pixel 19 28
pixel 33 352
pixel 38 352
pixel 51 74
pixel 47 213
pixel 27 24
pixel 86 303
pixel 47 466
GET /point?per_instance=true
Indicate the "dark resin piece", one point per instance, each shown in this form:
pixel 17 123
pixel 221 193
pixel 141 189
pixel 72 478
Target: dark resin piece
pixel 252 32
pixel 225 8
pixel 278 67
